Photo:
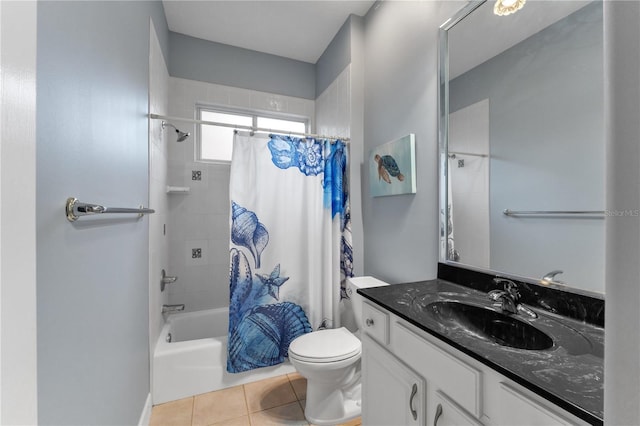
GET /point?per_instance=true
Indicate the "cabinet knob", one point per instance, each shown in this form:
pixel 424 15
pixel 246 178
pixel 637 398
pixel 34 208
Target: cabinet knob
pixel 369 322
pixel 438 414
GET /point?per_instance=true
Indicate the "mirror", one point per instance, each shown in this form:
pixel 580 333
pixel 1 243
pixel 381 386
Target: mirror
pixel 522 142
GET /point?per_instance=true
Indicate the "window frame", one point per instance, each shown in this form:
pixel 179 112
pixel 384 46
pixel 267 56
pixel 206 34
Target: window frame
pixel 253 113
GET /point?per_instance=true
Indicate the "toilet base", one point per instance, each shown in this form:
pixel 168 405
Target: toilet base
pixel 326 406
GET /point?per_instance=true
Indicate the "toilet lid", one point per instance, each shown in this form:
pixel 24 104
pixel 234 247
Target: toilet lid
pixel 325 346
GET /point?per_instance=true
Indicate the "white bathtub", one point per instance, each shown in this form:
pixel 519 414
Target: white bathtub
pixel 196 359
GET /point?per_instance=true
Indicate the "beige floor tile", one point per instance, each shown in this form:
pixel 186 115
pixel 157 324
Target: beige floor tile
pixel 269 393
pixel 218 406
pixel 174 413
pixel 290 414
pixel 299 384
pixel 355 422
pixel 238 421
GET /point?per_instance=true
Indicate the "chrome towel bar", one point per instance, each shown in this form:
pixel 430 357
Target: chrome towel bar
pixel 508 212
pixel 75 209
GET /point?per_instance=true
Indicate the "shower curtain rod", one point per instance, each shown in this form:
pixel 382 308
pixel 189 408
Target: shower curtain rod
pixel 249 128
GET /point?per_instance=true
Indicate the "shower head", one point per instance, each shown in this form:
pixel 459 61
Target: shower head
pixel 181 135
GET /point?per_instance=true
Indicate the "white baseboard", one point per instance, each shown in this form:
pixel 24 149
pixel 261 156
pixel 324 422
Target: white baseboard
pixel 146 412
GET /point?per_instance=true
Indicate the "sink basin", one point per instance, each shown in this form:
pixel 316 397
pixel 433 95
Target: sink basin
pixel 500 328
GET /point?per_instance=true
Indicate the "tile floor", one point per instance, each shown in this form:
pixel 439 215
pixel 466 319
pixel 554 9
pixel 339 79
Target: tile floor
pixel 276 401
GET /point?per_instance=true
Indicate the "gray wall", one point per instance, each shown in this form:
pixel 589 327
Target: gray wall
pixel 622 109
pixel 547 148
pixel 92 276
pixel 401 232
pixel 335 58
pixel 201 60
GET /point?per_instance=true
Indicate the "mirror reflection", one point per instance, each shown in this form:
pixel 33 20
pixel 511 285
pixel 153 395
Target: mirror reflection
pixel 525 157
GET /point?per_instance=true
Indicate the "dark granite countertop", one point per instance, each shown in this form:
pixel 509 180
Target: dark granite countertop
pixel 570 373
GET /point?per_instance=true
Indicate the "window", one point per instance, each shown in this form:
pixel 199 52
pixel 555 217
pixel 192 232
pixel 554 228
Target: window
pixel 215 143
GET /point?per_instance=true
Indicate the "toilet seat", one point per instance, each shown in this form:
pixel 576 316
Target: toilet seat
pixel 323 346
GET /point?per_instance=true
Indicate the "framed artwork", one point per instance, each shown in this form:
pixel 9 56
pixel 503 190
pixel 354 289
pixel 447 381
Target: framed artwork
pixel 392 167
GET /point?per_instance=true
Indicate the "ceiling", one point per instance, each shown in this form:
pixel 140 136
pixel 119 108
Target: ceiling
pixel 299 30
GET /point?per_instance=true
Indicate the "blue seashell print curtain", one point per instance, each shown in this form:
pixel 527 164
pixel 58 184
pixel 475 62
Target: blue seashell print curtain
pixel 290 248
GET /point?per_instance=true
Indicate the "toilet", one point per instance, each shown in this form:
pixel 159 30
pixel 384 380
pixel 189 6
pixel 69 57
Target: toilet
pixel 330 361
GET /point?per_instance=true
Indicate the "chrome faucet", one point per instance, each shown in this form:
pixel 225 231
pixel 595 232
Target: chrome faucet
pixel 508 298
pixel 550 277
pixel 172 308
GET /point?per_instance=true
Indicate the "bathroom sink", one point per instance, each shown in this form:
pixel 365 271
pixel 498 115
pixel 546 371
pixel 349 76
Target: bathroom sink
pixel 506 330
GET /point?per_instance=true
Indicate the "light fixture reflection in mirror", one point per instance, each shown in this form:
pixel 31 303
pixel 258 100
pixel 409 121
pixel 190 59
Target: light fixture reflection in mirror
pixel 507 7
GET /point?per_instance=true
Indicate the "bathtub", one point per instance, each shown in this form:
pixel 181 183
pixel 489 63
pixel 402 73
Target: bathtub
pixel 195 360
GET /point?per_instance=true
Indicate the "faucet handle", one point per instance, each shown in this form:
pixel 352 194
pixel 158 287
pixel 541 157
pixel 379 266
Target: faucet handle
pixel 510 287
pixel 496 294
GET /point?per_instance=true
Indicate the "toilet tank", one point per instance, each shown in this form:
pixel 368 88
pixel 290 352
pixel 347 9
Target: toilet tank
pixel 353 284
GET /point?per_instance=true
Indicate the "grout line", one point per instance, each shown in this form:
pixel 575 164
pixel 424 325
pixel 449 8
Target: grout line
pixel 193 408
pixel 292 388
pixel 298 400
pixel 246 404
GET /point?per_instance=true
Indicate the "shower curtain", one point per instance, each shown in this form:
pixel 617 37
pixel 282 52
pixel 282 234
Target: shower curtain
pixel 290 248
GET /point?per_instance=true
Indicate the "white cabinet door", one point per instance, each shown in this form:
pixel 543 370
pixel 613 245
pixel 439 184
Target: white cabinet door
pixel 392 394
pixel 443 371
pixel 447 413
pixel 518 409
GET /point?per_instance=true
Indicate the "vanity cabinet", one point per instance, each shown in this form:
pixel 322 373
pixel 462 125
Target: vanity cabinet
pixel 395 394
pixel 412 378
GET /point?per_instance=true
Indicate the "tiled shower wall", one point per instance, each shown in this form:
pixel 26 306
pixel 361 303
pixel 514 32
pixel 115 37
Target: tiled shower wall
pixel 333 107
pixel 158 155
pixel 198 226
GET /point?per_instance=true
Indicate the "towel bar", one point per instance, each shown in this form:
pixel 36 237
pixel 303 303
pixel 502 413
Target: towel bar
pixel 76 209
pixel 508 212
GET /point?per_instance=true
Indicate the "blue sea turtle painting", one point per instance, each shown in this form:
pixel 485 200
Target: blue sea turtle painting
pixel 387 166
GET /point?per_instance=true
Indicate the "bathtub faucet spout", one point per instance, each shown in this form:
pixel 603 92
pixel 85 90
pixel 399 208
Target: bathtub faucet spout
pixel 172 308
pixel 166 280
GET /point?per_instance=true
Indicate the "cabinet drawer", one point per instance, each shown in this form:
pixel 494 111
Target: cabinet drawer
pixel 517 408
pixel 460 381
pixel 375 323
